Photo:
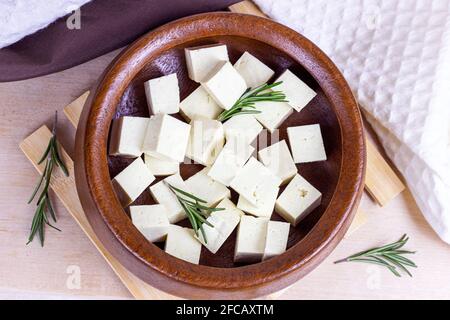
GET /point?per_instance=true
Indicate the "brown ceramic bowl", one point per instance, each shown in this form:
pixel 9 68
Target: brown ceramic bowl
pixel 120 91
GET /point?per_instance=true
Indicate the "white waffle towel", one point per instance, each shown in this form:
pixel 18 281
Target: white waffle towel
pixel 19 18
pixel 396 57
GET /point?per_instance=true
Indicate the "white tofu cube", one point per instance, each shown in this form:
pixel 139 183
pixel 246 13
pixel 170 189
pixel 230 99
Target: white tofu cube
pixel 297 200
pixel 166 138
pixel 199 105
pixel 297 92
pixel 162 194
pixel 205 141
pixel 160 167
pixel 251 239
pixel 201 60
pixel 254 180
pixel 276 239
pixel 205 188
pixel 224 222
pixel 277 158
pixel 151 221
pixel 233 156
pixel 306 143
pixel 180 243
pixel 265 197
pixel 132 181
pixel 272 114
pixel 231 215
pixel 214 239
pixel 242 127
pixel 254 72
pixel 225 85
pixel 163 94
pixel 127 135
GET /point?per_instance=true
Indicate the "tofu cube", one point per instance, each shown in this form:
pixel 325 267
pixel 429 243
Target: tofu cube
pixel 253 181
pixel 254 72
pixel 163 94
pixel 214 239
pixel 306 143
pixel 201 60
pixel 205 141
pixel 233 156
pixel 160 167
pixel 242 127
pixel 297 92
pixel 205 188
pixel 276 239
pixel 166 138
pixel 297 200
pixel 180 243
pixel 224 222
pixel 272 114
pixel 225 85
pixel 127 135
pixel 132 181
pixel 277 158
pixel 251 239
pixel 162 194
pixel 265 197
pixel 199 105
pixel 151 221
pixel 231 215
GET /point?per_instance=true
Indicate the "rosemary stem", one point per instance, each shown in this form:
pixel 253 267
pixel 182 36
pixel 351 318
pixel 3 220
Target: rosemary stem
pixel 246 103
pixel 341 261
pixel 389 256
pixel 44 206
pixel 196 210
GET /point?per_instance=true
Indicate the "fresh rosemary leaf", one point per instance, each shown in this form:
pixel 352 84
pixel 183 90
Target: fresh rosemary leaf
pixel 187 194
pixel 50 208
pixel 44 156
pixel 388 256
pixel 246 103
pixel 398 264
pixel 41 179
pixel 198 205
pixel 58 161
pixel 196 212
pixel 203 233
pixel 44 206
pixel 47 181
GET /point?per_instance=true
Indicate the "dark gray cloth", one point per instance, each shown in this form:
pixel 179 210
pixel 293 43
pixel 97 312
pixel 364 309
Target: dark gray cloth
pixel 105 25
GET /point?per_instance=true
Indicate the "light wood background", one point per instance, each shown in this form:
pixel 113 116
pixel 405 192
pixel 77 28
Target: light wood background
pixel 35 272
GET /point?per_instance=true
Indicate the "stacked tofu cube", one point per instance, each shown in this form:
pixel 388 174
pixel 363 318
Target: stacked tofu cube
pixel 260 239
pixel 224 222
pixel 227 151
pixel 257 187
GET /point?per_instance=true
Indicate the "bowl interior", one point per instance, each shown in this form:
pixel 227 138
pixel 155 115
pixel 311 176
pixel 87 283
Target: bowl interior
pixel 323 175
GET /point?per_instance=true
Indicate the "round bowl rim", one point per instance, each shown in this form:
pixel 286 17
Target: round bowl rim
pixel 166 272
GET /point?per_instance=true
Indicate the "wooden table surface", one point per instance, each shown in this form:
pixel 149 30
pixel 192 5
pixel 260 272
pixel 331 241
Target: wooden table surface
pixel 69 267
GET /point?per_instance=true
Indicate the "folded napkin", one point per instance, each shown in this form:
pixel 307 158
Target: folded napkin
pixel 396 57
pixel 105 25
pixel 19 18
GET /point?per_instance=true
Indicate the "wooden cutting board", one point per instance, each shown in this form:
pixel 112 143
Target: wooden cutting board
pixel 381 181
pixel 64 187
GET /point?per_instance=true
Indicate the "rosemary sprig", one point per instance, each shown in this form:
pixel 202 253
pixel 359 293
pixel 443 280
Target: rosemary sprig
pixel 246 103
pixel 196 210
pixel 389 256
pixel 44 205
